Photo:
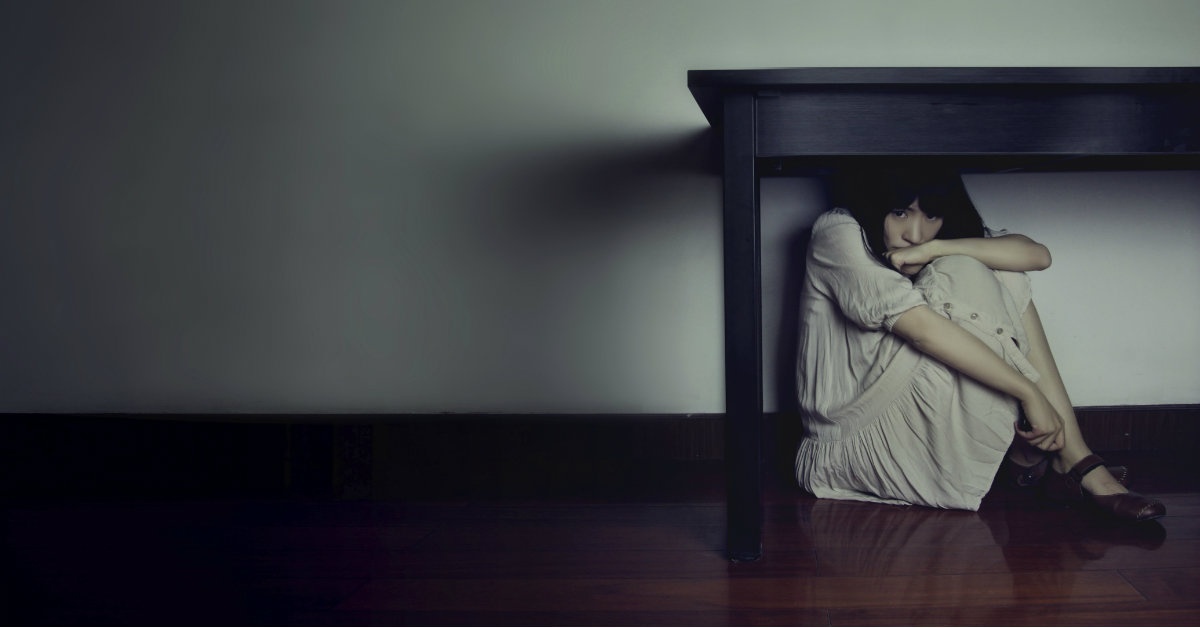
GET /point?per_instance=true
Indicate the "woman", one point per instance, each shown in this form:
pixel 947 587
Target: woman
pixel 923 364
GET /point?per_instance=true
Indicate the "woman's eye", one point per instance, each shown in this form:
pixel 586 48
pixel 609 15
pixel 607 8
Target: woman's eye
pixel 899 213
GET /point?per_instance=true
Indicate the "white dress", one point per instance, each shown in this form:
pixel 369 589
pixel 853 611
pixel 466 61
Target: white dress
pixel 884 422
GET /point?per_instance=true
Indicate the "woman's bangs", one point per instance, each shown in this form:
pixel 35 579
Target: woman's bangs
pixel 936 205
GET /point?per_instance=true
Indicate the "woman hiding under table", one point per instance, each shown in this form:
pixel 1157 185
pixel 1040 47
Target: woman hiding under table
pixel 923 367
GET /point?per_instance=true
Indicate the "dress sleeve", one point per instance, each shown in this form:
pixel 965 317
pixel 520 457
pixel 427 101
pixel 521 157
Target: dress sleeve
pixel 868 293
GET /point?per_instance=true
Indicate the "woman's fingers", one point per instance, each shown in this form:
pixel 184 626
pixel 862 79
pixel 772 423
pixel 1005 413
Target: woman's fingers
pixel 1049 442
pixel 1046 440
pixel 1045 426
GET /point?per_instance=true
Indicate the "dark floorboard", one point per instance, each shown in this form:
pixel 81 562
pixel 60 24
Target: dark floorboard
pixel 650 553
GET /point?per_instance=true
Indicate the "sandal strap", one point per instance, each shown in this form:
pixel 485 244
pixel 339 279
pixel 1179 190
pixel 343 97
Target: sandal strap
pixel 1085 466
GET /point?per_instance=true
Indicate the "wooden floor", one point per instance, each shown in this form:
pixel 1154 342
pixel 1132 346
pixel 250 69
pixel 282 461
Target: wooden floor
pixel 613 552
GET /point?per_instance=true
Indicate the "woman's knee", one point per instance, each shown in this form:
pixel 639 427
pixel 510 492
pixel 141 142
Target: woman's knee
pixel 958 266
pixel 959 276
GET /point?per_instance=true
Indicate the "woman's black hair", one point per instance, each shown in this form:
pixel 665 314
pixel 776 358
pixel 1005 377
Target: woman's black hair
pixel 869 194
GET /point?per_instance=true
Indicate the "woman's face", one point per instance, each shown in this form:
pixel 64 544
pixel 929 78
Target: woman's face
pixel 907 227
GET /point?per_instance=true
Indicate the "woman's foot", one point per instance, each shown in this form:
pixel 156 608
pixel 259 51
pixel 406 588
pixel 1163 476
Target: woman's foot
pixel 1090 482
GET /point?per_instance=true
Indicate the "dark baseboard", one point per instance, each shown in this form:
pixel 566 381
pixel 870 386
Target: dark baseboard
pixel 402 456
pixel 1174 428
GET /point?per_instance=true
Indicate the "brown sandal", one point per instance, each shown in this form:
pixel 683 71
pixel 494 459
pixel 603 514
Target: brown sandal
pixel 1029 476
pixel 1068 487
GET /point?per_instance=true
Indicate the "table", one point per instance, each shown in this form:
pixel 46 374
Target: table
pixel 788 121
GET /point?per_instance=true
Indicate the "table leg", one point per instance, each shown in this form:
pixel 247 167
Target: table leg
pixel 743 332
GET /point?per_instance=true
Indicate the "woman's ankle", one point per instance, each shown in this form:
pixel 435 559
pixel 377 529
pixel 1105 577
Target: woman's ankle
pixel 1097 481
pixel 1068 457
pixel 1101 482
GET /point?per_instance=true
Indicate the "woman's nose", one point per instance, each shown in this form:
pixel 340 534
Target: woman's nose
pixel 912 234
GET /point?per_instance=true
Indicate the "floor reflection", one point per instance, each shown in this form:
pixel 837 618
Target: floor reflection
pixel 1010 562
pixel 861 539
pixel 865 539
pixel 1048 537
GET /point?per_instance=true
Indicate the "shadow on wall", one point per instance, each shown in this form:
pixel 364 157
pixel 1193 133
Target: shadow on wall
pixel 788 430
pixel 601 178
pixel 593 259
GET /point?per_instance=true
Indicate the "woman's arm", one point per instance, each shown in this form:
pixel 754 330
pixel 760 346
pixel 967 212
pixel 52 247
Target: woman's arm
pixel 1007 252
pixel 958 349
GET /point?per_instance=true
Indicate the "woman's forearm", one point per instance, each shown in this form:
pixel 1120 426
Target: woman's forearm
pixel 957 348
pixel 1007 252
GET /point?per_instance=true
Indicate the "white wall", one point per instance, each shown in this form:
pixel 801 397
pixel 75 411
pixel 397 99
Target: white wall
pixel 485 206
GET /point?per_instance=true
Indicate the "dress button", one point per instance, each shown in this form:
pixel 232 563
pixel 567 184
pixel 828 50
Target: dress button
pixel 999 330
pixel 947 307
pixel 974 316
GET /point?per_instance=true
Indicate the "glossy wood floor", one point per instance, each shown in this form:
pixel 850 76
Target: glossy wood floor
pixel 624 550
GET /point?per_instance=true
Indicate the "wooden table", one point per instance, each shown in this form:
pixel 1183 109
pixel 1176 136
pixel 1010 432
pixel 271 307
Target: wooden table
pixel 797 120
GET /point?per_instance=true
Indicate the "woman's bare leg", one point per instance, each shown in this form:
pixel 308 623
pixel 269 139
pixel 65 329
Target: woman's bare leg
pixel 1098 482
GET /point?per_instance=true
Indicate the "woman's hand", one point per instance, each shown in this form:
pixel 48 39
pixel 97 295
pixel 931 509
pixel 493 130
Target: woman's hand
pixel 1046 426
pixel 911 259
